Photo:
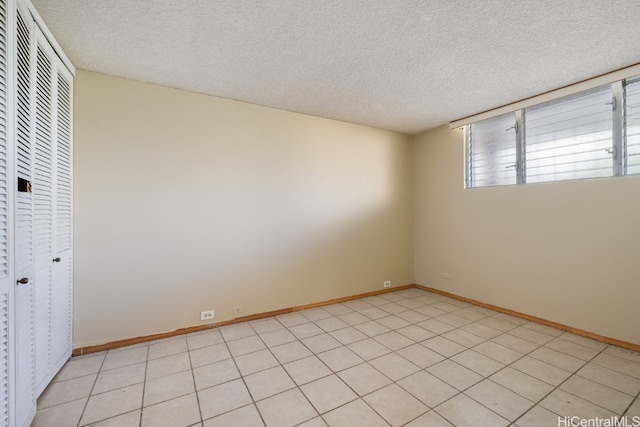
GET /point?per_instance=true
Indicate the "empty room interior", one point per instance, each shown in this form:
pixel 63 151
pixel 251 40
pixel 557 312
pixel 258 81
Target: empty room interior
pixel 340 213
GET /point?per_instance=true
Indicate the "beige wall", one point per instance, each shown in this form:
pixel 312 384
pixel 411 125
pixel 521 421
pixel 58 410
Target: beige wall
pixel 567 252
pixel 185 202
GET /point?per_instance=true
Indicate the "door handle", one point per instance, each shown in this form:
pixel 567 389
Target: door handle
pixel 23 281
pixel 56 259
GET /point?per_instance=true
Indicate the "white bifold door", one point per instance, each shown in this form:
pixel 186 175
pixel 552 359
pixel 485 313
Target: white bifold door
pixel 43 214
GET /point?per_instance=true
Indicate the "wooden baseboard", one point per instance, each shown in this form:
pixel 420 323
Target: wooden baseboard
pixel 146 338
pixel 154 337
pixel 555 325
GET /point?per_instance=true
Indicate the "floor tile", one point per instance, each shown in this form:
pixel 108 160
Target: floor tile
pixel 168 387
pixel 454 374
pixel 393 340
pixel 463 338
pixel 634 409
pixel 395 405
pixel 392 308
pixel 427 388
pixel 215 373
pixel 497 324
pixel 315 314
pixel 566 404
pixel 117 359
pixel 269 324
pixel 210 354
pixel 374 313
pixel 119 377
pixel 481 331
pixel 515 343
pixel 328 393
pixel 613 379
pixel 453 363
pixel 412 316
pixel 340 358
pixel 306 370
pixel 477 362
pixel 556 358
pixel 541 370
pixel 618 364
pixel 277 337
pixel 372 328
pixel 364 378
pixel 62 415
pixel 393 322
pixel 531 335
pixel 320 343
pixel 354 414
pixel 168 365
pixel 583 341
pixel 394 366
pixel 453 320
pixel 247 416
pixel 167 347
pixel 80 367
pixel 430 419
pixel 245 345
pixel 112 403
pixel 331 324
pixel 314 422
pixel 572 349
pixel 223 398
pixel 204 339
pixel 445 347
pixel 268 382
pixel 415 333
pixel 179 412
pixel 420 355
pixel 615 401
pixel 292 319
pixel 237 331
pixel 353 318
pixel 130 419
pixel 66 391
pixel 500 400
pixel 337 309
pixel 286 409
pixel 521 383
pixel 538 416
pixel 254 362
pixel 289 352
pixel 498 352
pixel 368 349
pixel 305 330
pixel 461 410
pixel 348 335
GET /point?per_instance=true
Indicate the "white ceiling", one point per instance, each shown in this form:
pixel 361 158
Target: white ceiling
pixel 403 65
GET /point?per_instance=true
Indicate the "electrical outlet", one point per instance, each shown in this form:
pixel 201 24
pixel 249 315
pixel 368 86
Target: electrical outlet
pixel 238 309
pixel 446 276
pixel 387 284
pixel 207 315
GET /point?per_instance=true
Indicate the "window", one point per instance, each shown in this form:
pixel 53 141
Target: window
pixel 591 134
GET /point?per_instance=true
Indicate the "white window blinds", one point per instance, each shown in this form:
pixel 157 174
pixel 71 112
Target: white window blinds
pixel 570 138
pixel 492 152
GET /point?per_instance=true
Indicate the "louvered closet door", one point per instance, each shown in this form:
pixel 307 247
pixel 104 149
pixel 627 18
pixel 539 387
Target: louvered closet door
pixel 62 230
pixel 24 259
pixel 43 164
pixel 7 283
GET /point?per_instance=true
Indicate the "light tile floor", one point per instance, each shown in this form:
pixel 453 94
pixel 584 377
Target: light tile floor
pixel 406 358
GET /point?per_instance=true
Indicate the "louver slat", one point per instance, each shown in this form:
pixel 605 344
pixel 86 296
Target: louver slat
pixel 632 127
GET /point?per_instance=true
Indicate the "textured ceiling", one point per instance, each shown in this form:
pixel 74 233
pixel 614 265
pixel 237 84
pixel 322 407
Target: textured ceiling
pixel 403 65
